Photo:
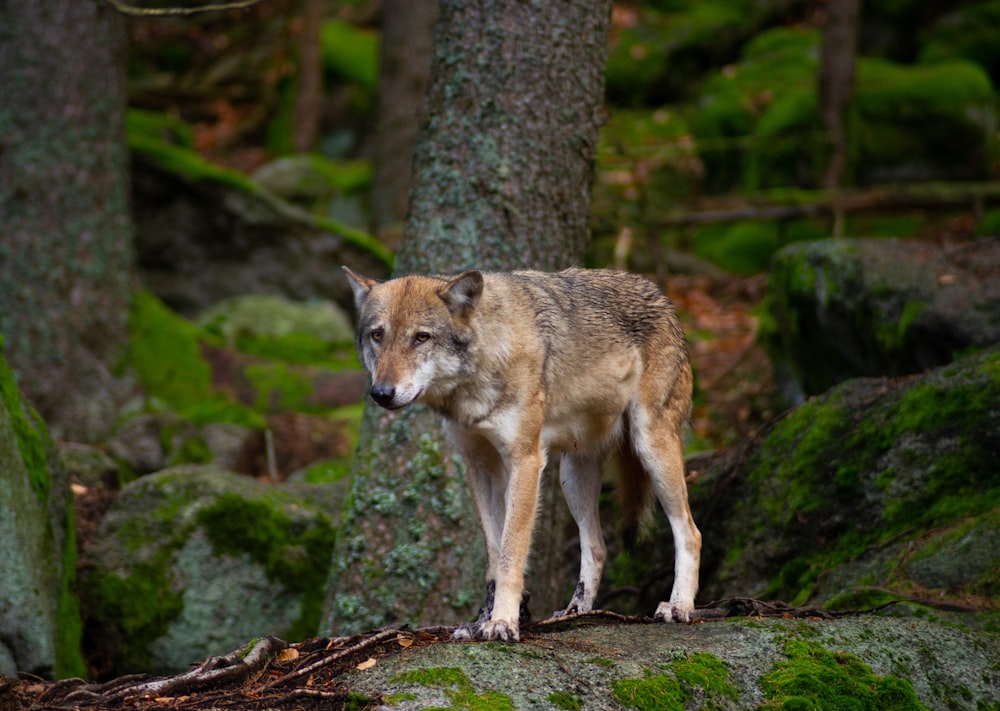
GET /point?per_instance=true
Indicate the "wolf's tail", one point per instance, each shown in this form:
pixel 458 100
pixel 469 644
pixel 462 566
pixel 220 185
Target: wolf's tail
pixel 635 489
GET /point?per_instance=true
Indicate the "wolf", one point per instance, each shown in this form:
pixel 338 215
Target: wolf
pixel 523 366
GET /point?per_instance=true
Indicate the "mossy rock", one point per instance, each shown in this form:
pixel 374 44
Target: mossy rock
pixel 194 561
pixel 935 121
pixel 40 628
pixel 874 486
pixel 967 32
pixel 309 177
pixel 864 663
pixel 659 58
pixel 845 308
pixel 253 355
pixel 310 331
pixel 756 121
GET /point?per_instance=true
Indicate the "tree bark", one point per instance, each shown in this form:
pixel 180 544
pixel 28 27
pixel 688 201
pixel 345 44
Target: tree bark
pixel 836 80
pixel 405 61
pixel 65 229
pixel 309 87
pixel 503 176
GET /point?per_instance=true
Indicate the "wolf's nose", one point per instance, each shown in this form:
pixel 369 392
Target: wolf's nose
pixel 383 394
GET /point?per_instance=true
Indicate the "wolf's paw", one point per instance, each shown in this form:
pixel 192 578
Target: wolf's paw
pixel 465 633
pixel 503 630
pixel 673 612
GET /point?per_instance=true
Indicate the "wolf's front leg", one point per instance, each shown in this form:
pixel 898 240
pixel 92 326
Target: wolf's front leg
pixel 515 543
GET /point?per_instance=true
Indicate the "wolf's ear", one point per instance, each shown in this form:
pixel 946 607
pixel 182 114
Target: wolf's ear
pixel 359 285
pixel 462 293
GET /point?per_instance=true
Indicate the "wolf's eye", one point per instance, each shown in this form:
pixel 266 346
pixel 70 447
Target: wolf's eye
pixel 376 335
pixel 421 338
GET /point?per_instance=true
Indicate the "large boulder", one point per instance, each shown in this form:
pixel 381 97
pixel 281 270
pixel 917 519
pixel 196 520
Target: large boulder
pixel 39 616
pixel 195 560
pixel 871 307
pixel 876 490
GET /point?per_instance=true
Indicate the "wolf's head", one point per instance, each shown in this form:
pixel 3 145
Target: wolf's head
pixel 413 334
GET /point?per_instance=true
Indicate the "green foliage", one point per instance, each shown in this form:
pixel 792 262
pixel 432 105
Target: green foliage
pixel 741 247
pixel 989 225
pixel 968 32
pixel 350 52
pixel 663 55
pixel 814 678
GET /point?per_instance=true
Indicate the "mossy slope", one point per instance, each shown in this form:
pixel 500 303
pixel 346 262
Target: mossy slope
pixel 851 491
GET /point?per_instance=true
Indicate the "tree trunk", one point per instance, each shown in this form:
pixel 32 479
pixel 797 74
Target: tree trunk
pixel 309 86
pixel 65 229
pixel 503 177
pixel 836 80
pixel 405 61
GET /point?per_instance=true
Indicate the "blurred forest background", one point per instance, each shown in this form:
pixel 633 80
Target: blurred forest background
pixel 268 145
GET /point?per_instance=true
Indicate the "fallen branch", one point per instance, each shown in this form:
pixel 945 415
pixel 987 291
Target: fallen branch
pixel 234 666
pixel 330 659
pixel 916 195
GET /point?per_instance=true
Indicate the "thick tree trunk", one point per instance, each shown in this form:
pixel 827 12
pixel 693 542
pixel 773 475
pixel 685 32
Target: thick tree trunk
pixel 836 80
pixel 503 177
pixel 405 60
pixel 65 229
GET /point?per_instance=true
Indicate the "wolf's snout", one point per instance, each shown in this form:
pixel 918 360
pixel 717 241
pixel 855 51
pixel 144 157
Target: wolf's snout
pixel 383 394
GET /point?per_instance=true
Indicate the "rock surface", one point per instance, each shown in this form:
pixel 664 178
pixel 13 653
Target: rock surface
pixel 194 561
pixel 855 307
pixel 863 662
pixel 39 617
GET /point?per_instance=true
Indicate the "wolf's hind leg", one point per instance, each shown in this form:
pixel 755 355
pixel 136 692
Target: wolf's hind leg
pixel 580 478
pixel 657 441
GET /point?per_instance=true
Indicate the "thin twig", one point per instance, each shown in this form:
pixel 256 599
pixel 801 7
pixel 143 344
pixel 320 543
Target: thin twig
pixel 133 10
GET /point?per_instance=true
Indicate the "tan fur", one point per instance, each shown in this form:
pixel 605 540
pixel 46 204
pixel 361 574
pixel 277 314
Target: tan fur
pixel 527 364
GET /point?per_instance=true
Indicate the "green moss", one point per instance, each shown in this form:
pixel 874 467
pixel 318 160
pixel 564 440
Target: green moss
pixel 707 675
pixel 69 625
pixel 350 52
pixel 741 248
pixel 603 662
pixel 815 678
pixel 32 439
pixel 463 695
pixel 156 125
pixel 565 700
pixel 134 609
pixel 700 677
pixel 393 699
pixel 654 692
pixel 187 163
pixel 292 555
pixel 166 354
pixel 815 460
